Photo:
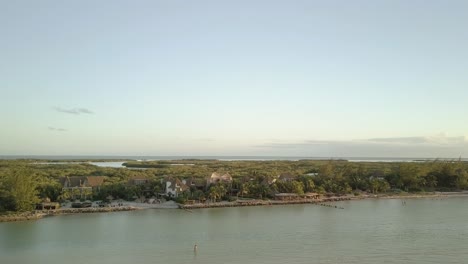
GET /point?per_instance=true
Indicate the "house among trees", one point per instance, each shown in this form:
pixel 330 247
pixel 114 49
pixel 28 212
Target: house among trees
pixel 142 183
pixel 217 177
pixel 286 177
pixel 138 181
pixel 195 183
pixel 174 187
pixel 82 185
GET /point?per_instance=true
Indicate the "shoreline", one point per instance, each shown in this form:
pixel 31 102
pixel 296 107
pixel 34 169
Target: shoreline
pixel 255 202
pixel 261 203
pixel 36 215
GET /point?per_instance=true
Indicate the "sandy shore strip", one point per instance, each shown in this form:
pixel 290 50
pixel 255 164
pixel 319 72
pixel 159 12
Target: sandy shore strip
pixel 254 202
pixel 131 206
pixel 257 203
pixel 67 210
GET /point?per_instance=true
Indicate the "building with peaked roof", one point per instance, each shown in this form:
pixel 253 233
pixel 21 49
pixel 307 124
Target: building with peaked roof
pixel 174 187
pixel 81 184
pixel 217 177
pixel 93 182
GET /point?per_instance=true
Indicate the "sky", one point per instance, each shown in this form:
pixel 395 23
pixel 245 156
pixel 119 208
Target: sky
pixel 359 78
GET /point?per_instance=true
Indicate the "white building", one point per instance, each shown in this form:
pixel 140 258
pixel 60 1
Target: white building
pixel 174 187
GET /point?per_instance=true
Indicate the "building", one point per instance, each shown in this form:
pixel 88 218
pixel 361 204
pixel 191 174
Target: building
pixel 143 183
pixel 138 181
pixel 81 185
pixel 286 177
pixel 314 196
pixel 286 196
pixel 195 183
pixel 217 177
pixel 46 204
pixel 174 187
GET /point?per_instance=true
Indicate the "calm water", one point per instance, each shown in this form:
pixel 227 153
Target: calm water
pixel 370 231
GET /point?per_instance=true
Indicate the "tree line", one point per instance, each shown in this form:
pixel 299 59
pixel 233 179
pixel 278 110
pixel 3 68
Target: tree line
pixel 23 183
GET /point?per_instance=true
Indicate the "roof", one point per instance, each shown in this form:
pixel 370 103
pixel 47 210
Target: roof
pixel 95 181
pixel 174 182
pixel 135 179
pixel 195 182
pixel 286 194
pixel 82 181
pixel 73 181
pixel 215 176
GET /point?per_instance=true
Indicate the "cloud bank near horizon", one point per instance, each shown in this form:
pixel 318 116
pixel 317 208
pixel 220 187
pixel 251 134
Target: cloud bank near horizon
pixel 417 146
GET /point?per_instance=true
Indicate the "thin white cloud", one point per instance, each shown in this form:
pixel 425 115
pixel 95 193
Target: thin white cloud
pixel 57 129
pixel 73 111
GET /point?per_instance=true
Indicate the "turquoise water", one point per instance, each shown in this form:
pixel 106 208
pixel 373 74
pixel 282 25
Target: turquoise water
pixel 367 231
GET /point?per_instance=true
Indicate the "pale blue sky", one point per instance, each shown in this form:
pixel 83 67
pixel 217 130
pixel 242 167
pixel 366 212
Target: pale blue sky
pixel 257 77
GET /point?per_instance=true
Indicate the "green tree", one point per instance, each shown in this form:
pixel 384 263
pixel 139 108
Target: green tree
pixel 216 192
pixel 308 183
pixel 19 189
pixel 297 187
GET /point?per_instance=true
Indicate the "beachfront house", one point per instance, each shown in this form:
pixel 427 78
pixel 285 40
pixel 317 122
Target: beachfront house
pixel 217 177
pixel 46 204
pixel 143 184
pixel 81 186
pixel 174 187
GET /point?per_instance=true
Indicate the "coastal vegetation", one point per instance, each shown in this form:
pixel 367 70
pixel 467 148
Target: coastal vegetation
pixel 23 183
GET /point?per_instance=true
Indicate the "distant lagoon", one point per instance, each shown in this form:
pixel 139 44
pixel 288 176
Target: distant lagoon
pixel 108 164
pixel 118 161
pixel 222 158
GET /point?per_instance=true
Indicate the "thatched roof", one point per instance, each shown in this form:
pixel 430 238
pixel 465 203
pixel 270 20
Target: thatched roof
pixel 217 177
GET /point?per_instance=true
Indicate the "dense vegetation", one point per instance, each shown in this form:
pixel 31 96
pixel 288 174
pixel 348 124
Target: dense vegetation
pixel 25 182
